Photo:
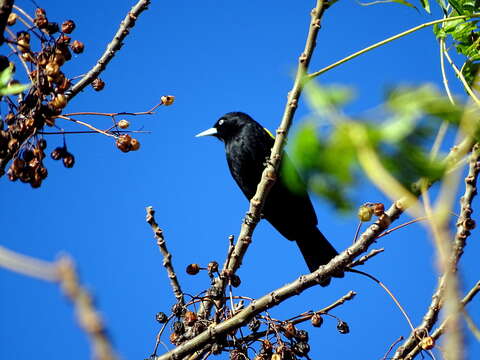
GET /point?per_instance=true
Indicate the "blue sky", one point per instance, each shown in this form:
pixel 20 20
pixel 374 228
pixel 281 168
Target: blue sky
pixel 215 57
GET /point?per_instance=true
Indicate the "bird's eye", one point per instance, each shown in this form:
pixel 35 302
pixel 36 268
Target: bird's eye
pixel 221 122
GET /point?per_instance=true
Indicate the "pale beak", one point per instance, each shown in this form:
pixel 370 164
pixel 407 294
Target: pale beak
pixel 209 132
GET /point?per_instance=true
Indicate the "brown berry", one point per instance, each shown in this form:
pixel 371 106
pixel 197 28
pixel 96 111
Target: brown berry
pixel 77 47
pixel 68 160
pixel 124 143
pixel 174 337
pixel 167 100
pixel 51 28
pixel 378 209
pixel 123 124
pixel 190 318
pixel 161 317
pixel 427 343
pixel 52 69
pixel 40 12
pixel 134 144
pixel 11 175
pixel 41 22
pixel 235 280
pixel 64 39
pixel 289 330
pixel 342 327
pixel 98 84
pixel 42 144
pixel 57 153
pixel 68 26
pixel 316 320
pixel 212 266
pixel 12 19
pixel 60 101
pixel 192 269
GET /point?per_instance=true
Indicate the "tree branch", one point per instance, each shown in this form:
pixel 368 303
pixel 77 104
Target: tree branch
pixel 112 48
pixel 441 329
pixel 464 225
pixel 167 257
pixel 270 172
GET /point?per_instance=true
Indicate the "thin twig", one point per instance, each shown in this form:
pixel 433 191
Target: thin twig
pixel 464 225
pixel 441 329
pixel 27 265
pixel 392 346
pixel 86 125
pixel 462 78
pixel 88 317
pixel 112 48
pixel 167 257
pixel 390 39
pixel 367 257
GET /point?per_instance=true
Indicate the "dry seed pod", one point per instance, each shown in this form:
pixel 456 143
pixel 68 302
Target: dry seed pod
pixel 12 19
pixel 134 144
pixel 365 213
pixel 378 209
pixel 68 160
pixel 59 102
pixel 57 153
pixel 161 317
pixel 77 47
pixel 98 84
pixel 427 343
pixel 123 124
pixel 68 26
pixel 167 100
pixel 190 318
pixel 192 269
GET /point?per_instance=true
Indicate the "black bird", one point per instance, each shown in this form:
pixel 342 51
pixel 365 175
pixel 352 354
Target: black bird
pixel 248 146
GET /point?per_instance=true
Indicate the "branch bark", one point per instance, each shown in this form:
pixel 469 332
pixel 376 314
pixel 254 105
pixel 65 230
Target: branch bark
pixel 112 48
pixel 270 172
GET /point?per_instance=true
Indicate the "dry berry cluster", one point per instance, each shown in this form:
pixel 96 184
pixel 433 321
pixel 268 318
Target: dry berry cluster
pixel 41 48
pixel 263 338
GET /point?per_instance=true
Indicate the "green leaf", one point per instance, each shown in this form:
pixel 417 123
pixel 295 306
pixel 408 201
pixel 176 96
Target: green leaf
pixel 6 75
pixel 402 2
pixel 426 5
pixel 13 89
pixel 328 99
pixel 456 5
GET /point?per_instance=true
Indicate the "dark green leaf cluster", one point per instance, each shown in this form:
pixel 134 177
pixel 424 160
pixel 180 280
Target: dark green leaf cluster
pixel 325 148
pixel 464 35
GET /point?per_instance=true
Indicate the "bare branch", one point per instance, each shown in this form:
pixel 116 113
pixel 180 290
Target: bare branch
pixel 270 172
pixel 441 329
pixel 88 317
pixel 27 265
pixel 167 257
pixel 112 48
pixel 464 224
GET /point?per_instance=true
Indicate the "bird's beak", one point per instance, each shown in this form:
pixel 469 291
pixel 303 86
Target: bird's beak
pixel 209 132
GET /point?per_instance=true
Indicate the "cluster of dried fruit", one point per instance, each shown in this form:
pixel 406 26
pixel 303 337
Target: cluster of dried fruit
pixel 278 340
pixel 21 145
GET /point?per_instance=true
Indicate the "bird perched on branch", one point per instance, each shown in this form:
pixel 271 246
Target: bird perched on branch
pixel 248 146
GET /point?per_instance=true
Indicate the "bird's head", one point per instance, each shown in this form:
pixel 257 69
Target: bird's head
pixel 227 126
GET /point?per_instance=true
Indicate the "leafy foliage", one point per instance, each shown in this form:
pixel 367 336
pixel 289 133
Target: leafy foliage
pixel 6 86
pixel 463 35
pixel 328 148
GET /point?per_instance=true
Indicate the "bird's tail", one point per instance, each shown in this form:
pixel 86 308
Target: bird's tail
pixel 316 250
